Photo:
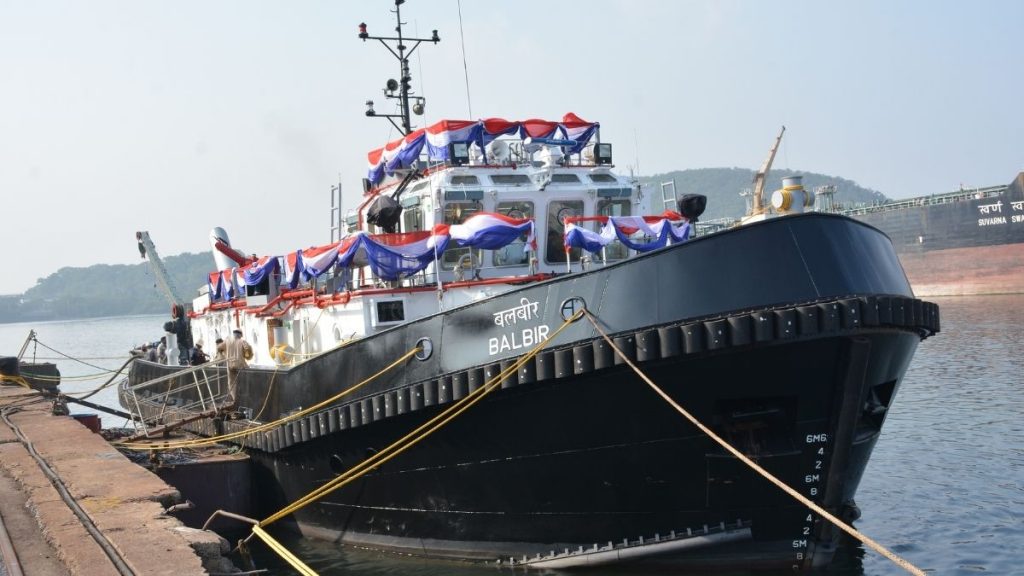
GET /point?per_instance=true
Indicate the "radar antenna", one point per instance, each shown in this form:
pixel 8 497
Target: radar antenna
pixel 397 46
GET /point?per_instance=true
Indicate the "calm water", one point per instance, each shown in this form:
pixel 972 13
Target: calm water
pixel 944 488
pixel 102 345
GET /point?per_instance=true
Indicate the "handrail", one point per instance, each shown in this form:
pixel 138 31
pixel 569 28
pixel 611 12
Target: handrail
pixel 944 198
pixel 205 401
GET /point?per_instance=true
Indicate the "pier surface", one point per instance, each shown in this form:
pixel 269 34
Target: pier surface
pixel 124 501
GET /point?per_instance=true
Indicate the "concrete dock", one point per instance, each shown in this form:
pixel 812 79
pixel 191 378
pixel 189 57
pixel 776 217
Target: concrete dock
pixel 124 503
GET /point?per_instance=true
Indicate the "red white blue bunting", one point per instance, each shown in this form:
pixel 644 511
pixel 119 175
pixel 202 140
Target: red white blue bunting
pixel 661 231
pixel 389 256
pixel 490 231
pixel 403 152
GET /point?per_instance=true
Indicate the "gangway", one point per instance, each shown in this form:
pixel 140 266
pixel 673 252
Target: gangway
pixel 184 396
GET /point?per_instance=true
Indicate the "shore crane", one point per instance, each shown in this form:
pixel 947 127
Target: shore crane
pixel 757 207
pixel 178 327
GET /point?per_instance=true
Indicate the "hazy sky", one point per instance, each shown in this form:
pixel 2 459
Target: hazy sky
pixel 177 116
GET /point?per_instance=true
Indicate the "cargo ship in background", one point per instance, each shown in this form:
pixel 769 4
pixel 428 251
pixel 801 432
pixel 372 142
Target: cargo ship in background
pixel 960 243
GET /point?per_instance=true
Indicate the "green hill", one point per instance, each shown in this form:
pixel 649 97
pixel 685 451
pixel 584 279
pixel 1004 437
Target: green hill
pixel 722 186
pixel 105 290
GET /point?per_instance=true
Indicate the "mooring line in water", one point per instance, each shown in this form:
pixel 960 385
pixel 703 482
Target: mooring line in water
pixel 82 378
pixel 104 385
pixel 101 368
pixel 421 431
pixel 283 552
pixel 269 425
pixel 899 561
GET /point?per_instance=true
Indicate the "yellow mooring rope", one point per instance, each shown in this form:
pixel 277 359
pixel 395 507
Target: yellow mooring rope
pixel 16 379
pixel 902 563
pixel 393 450
pixel 421 432
pixel 283 552
pixel 82 378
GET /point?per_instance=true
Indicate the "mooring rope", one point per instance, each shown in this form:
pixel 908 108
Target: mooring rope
pixel 422 431
pixel 111 551
pixel 72 358
pixel 266 399
pixel 106 384
pixel 393 450
pixel 16 379
pixel 269 425
pixel 899 561
pixel 283 552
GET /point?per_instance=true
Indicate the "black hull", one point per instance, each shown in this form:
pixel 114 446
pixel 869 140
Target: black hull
pixel 794 360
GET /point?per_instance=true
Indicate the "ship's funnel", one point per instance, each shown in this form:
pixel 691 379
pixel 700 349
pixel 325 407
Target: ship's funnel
pixel 218 241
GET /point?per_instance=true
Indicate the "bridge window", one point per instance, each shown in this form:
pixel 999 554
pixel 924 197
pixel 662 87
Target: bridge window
pixel 510 179
pixel 456 213
pixel 602 178
pixel 558 210
pixel 564 179
pixel 617 207
pixel 514 254
pixel 412 219
pixel 465 181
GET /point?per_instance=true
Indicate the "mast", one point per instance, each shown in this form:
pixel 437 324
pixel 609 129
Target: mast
pixel 401 52
pixel 757 206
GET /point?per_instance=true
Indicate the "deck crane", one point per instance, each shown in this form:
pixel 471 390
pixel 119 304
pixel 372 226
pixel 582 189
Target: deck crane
pixel 757 207
pixel 179 324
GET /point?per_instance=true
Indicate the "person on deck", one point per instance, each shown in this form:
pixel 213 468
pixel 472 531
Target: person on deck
pixel 221 350
pixel 238 350
pixel 197 356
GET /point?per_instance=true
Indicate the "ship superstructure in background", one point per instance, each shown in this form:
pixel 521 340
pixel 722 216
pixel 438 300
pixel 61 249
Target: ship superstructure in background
pixel 475 241
pixel 957 243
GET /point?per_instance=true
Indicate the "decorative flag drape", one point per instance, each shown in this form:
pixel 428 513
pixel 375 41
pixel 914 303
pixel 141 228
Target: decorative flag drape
pixel 402 153
pixel 257 271
pixel 292 269
pixel 579 237
pixel 394 262
pixel 490 231
pixel 660 228
pixel 318 260
pixel 216 285
pixel 389 256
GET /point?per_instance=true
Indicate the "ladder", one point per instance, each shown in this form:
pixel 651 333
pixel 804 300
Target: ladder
pixel 337 229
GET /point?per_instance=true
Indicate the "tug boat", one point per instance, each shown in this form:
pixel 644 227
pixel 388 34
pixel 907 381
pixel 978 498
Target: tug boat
pixel 476 244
